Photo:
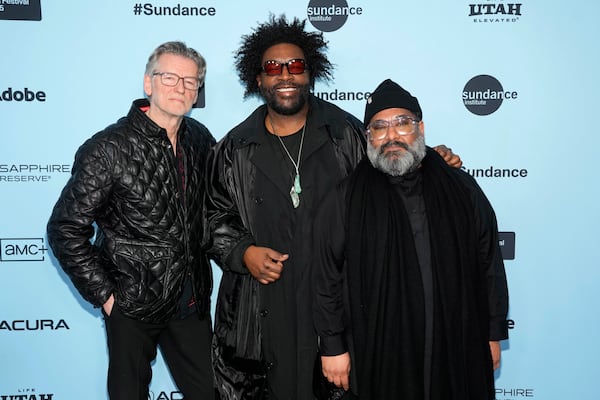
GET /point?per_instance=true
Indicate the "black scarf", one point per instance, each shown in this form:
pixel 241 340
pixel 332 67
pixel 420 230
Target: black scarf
pixel 386 290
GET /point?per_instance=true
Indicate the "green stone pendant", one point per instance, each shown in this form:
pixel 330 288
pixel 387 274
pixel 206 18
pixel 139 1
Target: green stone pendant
pixel 297 184
pixel 295 191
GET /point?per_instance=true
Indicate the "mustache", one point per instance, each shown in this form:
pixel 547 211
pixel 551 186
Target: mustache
pixel 393 143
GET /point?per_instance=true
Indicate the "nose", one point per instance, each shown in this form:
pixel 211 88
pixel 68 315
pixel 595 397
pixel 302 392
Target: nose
pixel 179 86
pixel 285 72
pixel 389 128
pixel 398 132
pixel 392 136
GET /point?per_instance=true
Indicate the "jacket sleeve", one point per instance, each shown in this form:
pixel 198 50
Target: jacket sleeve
pixel 328 275
pixel 228 238
pixel 490 258
pixel 352 148
pixel 70 228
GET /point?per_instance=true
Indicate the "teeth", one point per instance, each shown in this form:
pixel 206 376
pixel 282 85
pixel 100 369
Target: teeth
pixel 286 89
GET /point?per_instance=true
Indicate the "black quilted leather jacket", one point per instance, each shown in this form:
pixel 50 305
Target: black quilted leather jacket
pixel 120 225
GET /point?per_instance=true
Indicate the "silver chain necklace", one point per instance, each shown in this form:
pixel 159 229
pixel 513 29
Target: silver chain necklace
pixel 296 188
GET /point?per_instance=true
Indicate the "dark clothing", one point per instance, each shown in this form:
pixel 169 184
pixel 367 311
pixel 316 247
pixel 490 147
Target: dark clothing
pixel 267 329
pixel 410 190
pixel 125 180
pixel 148 207
pixel 186 300
pixel 184 344
pixel 409 278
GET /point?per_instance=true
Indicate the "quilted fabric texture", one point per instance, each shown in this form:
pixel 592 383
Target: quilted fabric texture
pixel 124 225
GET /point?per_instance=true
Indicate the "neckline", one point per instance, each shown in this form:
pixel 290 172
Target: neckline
pixel 296 163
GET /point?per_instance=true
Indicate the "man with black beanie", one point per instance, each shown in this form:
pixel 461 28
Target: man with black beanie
pixel 266 177
pixel 411 296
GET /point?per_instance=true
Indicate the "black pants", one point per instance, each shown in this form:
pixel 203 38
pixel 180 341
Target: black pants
pixel 184 343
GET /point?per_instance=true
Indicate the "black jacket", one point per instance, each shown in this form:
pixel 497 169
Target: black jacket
pixel 409 278
pixel 249 203
pixel 125 183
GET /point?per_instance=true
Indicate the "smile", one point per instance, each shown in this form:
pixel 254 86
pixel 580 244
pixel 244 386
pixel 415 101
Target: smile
pixel 286 89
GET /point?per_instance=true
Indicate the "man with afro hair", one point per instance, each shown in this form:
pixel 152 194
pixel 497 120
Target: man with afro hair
pixel 266 178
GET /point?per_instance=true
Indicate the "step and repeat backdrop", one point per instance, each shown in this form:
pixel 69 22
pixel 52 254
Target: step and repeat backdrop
pixel 511 86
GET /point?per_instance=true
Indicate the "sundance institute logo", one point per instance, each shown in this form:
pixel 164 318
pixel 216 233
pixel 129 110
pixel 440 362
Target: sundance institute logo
pixel 330 15
pixel 23 10
pixel 484 94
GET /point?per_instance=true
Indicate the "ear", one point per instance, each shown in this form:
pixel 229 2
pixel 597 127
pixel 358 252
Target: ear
pixel 148 85
pixel 258 81
pixel 422 128
pixel 196 95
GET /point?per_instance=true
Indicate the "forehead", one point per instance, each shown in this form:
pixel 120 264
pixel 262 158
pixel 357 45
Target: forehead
pixel 392 112
pixel 283 52
pixel 180 65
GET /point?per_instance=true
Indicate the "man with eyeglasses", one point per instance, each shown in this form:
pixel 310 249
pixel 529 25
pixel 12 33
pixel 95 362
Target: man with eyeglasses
pixel 411 296
pixel 267 176
pixel 138 186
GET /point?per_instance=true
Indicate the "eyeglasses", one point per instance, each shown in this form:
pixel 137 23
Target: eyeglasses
pixel 402 124
pixel 295 66
pixel 171 79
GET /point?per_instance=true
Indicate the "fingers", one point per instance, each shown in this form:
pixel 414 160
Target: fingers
pixel 455 161
pixel 272 266
pixel 337 369
pixel 340 380
pixel 276 256
pixel 108 305
pixel 448 155
pixel 271 270
pixel 452 159
pixel 496 353
pixel 265 264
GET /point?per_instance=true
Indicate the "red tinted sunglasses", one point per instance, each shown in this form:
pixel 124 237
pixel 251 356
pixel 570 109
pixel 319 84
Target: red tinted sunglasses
pixel 294 66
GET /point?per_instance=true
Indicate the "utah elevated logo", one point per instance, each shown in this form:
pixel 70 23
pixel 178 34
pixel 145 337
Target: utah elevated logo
pixel 495 11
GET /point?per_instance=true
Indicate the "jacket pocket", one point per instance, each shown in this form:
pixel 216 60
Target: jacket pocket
pixel 141 271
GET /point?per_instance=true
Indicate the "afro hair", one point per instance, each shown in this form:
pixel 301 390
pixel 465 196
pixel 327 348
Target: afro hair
pixel 277 30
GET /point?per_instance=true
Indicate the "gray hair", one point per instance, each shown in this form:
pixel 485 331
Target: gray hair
pixel 179 49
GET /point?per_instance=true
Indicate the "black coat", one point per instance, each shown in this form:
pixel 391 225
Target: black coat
pixel 409 279
pixel 124 180
pixel 267 329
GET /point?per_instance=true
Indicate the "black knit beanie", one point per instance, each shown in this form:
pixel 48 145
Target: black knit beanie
pixel 390 95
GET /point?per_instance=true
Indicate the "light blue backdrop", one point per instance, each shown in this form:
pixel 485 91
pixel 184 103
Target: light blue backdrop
pixel 88 58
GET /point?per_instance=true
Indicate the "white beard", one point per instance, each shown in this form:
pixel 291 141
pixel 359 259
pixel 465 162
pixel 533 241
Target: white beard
pixel 398 163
